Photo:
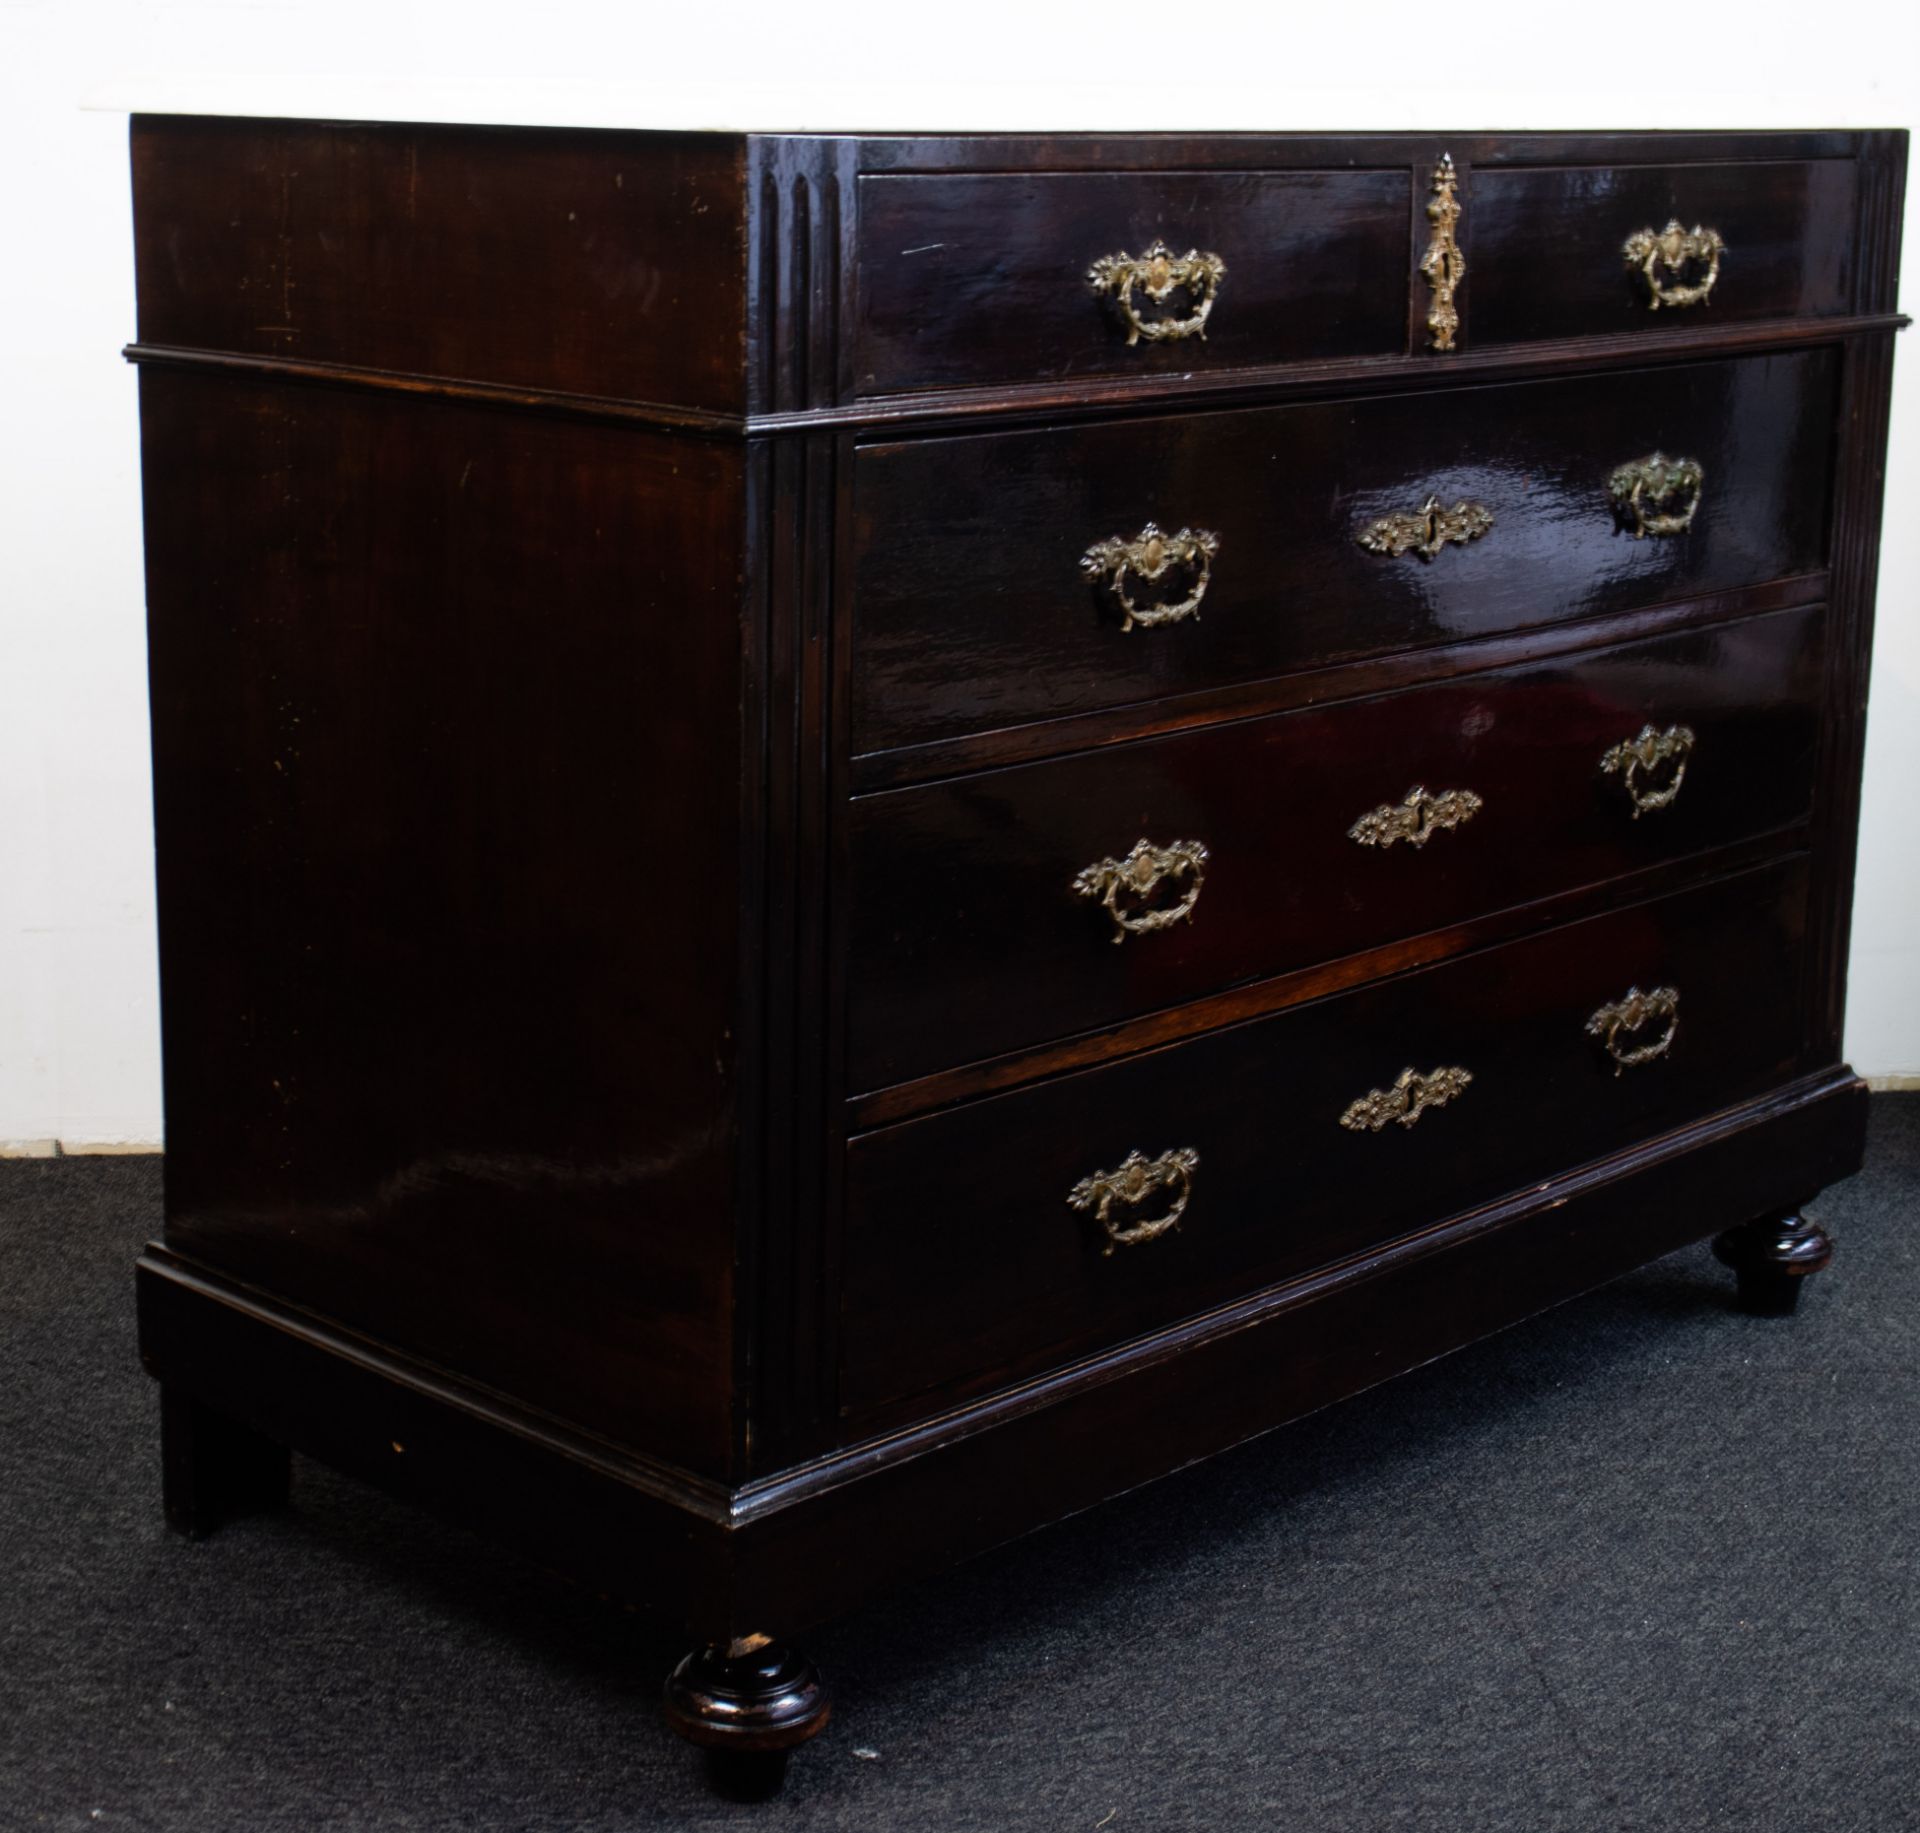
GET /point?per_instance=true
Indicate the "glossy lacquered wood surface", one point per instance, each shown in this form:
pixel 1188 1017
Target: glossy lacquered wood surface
pixel 592 264
pixel 546 584
pixel 965 1263
pixel 966 938
pixel 1546 242
pixel 969 279
pixel 449 940
pixel 977 617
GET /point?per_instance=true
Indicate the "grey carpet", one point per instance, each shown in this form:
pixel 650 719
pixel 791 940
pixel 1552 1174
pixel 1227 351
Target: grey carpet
pixel 1644 1563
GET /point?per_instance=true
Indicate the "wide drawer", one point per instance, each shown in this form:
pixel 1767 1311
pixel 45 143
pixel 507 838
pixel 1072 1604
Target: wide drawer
pixel 977 278
pixel 973 930
pixel 976 1250
pixel 1549 252
pixel 984 598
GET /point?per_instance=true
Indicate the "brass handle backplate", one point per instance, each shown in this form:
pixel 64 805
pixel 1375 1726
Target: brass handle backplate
pixel 1149 557
pixel 1658 495
pixel 1410 1096
pixel 1416 818
pixel 1663 255
pixel 1159 274
pixel 1135 1180
pixel 1427 529
pixel 1134 879
pixel 1636 759
pixel 1625 1018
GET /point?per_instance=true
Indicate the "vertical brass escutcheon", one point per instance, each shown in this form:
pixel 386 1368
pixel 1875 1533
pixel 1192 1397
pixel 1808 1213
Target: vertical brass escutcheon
pixel 1443 265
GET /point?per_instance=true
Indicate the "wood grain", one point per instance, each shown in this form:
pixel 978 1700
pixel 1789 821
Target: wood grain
pixel 449 982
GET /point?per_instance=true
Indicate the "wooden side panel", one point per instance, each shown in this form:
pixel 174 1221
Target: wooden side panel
pixel 449 940
pixel 594 263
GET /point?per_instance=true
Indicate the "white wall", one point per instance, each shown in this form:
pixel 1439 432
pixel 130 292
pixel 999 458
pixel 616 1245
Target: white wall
pixel 78 1032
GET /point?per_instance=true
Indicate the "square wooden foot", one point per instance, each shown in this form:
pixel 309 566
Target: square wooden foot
pixel 213 1469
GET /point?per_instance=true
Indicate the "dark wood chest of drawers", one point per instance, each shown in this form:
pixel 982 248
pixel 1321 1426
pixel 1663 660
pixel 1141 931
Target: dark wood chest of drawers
pixel 860 839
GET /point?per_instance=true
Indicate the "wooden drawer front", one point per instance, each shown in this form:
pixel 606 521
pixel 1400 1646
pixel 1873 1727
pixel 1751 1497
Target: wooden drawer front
pixel 966 1264
pixel 984 278
pixel 968 938
pixel 971 611
pixel 1547 246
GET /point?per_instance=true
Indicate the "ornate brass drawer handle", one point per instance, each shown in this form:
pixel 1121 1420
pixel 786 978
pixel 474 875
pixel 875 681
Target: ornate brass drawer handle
pixel 1635 760
pixel 1417 818
pixel 1643 490
pixel 1410 1096
pixel 1629 1016
pixel 1159 273
pixel 1149 557
pixel 1137 877
pixel 1136 1179
pixel 1667 252
pixel 1427 530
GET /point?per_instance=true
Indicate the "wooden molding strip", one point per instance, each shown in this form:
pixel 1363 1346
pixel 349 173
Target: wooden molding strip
pixel 1183 392
pixel 1021 154
pixel 652 415
pixel 1048 400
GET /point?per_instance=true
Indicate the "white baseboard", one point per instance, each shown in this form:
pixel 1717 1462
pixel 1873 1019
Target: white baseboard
pixel 77 1148
pixel 1902 1083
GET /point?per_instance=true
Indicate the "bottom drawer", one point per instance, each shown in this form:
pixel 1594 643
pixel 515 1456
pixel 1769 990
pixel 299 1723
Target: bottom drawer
pixel 996 1239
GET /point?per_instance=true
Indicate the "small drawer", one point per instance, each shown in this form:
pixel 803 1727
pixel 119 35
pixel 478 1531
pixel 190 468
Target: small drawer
pixel 1000 1238
pixel 975 279
pixel 1024 905
pixel 993 575
pixel 1576 251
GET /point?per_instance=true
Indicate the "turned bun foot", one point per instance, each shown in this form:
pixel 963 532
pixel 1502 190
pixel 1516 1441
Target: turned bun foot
pixel 1771 1259
pixel 747 1704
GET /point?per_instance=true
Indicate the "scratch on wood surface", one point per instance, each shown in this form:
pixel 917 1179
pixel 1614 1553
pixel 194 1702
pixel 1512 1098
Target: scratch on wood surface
pixel 927 249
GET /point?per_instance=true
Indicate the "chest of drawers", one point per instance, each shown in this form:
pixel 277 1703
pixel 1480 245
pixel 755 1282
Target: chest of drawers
pixel 860 839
